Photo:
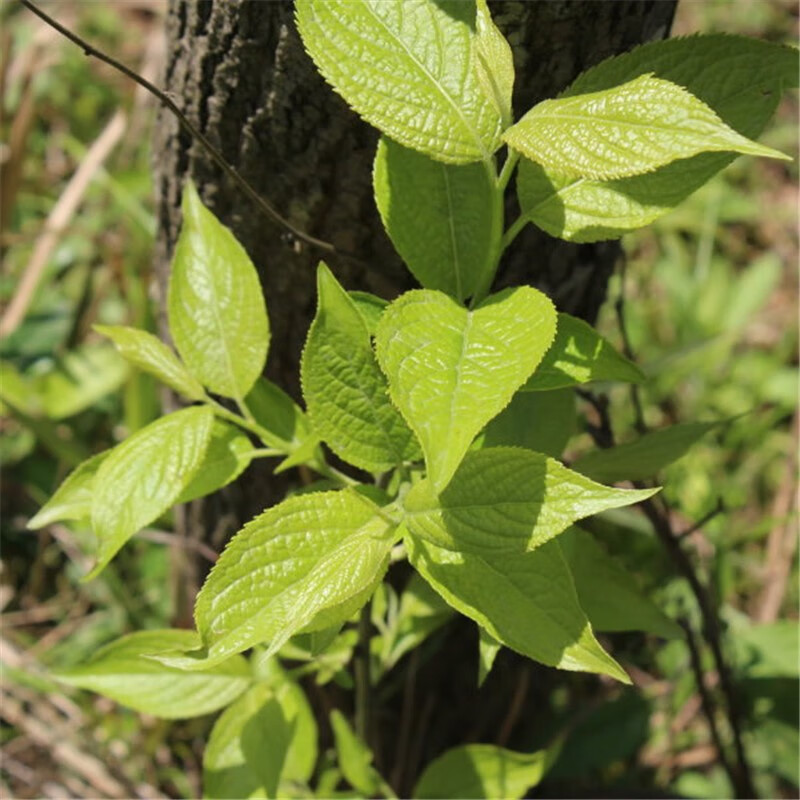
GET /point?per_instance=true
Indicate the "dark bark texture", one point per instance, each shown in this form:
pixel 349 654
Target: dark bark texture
pixel 240 73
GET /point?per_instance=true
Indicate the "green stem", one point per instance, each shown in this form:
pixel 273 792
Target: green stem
pixel 511 234
pixel 498 215
pixel 508 170
pixel 248 424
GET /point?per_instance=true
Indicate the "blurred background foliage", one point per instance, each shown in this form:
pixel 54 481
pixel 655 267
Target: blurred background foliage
pixel 709 304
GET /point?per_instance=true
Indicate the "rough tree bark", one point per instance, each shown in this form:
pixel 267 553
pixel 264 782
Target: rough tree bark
pixel 240 73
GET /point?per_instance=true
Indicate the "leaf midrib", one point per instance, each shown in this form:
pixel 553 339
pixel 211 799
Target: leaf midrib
pixel 465 122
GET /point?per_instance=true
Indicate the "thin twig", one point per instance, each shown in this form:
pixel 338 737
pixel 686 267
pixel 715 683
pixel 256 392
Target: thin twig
pixel 619 307
pixel 705 696
pixel 192 129
pixel 718 509
pixel 171 539
pixel 58 220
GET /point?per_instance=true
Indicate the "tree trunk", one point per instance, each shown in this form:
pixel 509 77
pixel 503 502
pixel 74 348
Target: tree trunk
pixel 240 73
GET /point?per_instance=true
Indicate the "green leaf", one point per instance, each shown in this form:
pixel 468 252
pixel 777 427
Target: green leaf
pixel 421 612
pixel 451 369
pixel 526 601
pixel 228 455
pixel 283 423
pixel 488 648
pixel 16 391
pixel 262 745
pixel 309 554
pixel 483 770
pixel 145 475
pixel 645 456
pixel 123 672
pixel 607 592
pixel 354 757
pixel 580 355
pixel 540 421
pixel 150 354
pixel 440 217
pixel 494 63
pixel 769 650
pixel 217 315
pixel 73 499
pixel 344 388
pixel 507 499
pixel 628 130
pixel 406 67
pixel 740 78
pixel 79 379
pixel 370 306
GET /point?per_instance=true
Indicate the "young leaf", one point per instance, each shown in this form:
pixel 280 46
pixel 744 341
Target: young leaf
pixel 308 554
pixel 263 743
pixel 217 315
pixel 439 217
pixel 483 770
pixel 344 388
pixel 494 63
pixel 580 355
pixel 539 421
pixel 150 354
pixel 628 130
pixel 405 67
pixel 645 456
pixel 488 648
pixel 228 455
pixel 73 499
pixel 525 600
pixel 740 78
pixel 123 672
pixel 507 499
pixel 370 307
pixel 451 369
pixel 354 757
pixel 79 379
pixel 144 475
pixel 284 424
pixel 607 592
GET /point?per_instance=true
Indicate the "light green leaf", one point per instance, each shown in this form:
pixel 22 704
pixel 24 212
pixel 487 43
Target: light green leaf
pixel 354 757
pixel 217 315
pixel 580 355
pixel 16 391
pixel 740 78
pixel 483 770
pixel 264 745
pixel 525 600
pixel 228 455
pixel 370 306
pixel 628 130
pixel 451 369
pixel 123 672
pixel 488 648
pixel 344 388
pixel 150 354
pixel 421 612
pixel 440 217
pixel 507 499
pixel 406 67
pixel 309 554
pixel 73 499
pixel 607 592
pixel 769 650
pixel 79 379
pixel 540 421
pixel 144 475
pixel 645 456
pixel 494 63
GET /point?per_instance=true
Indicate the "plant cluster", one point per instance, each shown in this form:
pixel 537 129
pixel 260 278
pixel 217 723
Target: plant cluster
pixel 450 403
